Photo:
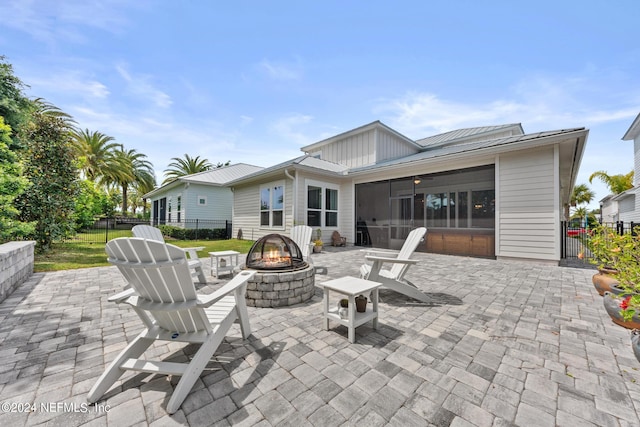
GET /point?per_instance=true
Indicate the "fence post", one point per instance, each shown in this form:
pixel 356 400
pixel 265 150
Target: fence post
pixel 197 228
pixel 620 227
pixel 633 232
pixel 106 232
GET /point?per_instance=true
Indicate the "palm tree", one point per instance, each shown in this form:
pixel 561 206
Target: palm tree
pixel 187 166
pixel 136 169
pixel 581 194
pixel 616 183
pixel 97 154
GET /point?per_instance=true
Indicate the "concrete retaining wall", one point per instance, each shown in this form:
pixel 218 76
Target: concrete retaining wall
pixel 16 265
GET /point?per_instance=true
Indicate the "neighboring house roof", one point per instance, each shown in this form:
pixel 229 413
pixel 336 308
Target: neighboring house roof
pixel 625 194
pixel 460 135
pixel 218 177
pixel 633 131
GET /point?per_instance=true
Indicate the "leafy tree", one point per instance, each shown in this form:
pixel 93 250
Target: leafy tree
pixel 11 185
pixel 89 203
pixel 14 106
pixel 187 166
pixel 616 183
pixel 49 166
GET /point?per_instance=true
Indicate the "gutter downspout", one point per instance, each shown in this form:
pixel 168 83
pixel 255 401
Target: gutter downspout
pixel 295 190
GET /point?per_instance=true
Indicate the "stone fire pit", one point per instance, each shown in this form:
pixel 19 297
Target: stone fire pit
pixel 283 277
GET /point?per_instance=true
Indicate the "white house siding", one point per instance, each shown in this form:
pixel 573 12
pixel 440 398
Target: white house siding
pixel 345 204
pixel 218 205
pixel 527 206
pixel 353 151
pixel 609 212
pixel 246 210
pixel 390 146
pixel 627 209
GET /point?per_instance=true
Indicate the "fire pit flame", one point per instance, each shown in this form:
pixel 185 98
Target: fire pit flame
pixel 275 252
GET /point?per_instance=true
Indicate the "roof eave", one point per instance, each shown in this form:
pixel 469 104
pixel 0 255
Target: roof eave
pixel 633 130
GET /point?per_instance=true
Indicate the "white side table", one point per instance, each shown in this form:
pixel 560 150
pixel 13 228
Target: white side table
pixel 224 262
pixel 351 287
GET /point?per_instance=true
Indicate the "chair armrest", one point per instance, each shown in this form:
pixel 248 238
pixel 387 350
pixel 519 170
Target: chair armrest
pixel 121 296
pixel 391 260
pixel 193 252
pixel 380 251
pixel 240 280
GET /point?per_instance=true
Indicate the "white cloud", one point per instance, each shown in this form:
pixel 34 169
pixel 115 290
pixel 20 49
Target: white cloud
pixel 70 82
pixel 288 128
pixel 538 103
pixel 139 86
pixel 281 71
pixel 63 21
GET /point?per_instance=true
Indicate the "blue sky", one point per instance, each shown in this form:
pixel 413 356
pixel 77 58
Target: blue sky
pixel 254 81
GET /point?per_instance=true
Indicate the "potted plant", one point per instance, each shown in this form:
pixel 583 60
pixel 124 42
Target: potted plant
pixel 343 308
pixel 624 308
pixel 604 245
pixel 317 243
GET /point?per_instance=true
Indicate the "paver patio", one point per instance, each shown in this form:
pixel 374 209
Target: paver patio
pixel 503 343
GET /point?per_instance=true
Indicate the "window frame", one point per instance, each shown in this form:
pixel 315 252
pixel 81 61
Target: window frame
pixel 271 186
pixel 323 186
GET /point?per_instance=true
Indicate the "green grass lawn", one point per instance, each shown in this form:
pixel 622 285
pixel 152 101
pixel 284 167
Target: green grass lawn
pixel 76 254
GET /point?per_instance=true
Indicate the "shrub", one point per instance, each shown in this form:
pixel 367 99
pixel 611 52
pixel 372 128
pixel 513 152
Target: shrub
pixel 180 233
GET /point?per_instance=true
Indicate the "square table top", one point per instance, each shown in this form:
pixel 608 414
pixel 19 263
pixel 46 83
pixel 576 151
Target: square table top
pixel 349 285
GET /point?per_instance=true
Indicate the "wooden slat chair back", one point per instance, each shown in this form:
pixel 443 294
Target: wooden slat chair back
pixel 152 233
pixel 301 234
pixel 164 297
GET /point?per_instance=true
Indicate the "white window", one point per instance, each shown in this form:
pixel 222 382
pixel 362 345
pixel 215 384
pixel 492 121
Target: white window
pixel 169 209
pixel 272 205
pixel 202 200
pixel 322 205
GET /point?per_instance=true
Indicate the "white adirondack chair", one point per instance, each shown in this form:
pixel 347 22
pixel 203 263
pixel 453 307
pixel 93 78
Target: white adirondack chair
pixel 393 278
pixel 301 234
pixel 152 233
pixel 164 296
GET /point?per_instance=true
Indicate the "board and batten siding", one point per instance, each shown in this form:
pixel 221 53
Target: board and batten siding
pixel 528 205
pixel 354 151
pixel 365 148
pixel 390 146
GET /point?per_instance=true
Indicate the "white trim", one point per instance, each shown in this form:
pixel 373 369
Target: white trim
pixel 496 234
pixel 323 185
pixel 556 200
pixel 270 186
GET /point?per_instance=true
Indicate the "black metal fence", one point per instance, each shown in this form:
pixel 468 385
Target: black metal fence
pixel 574 241
pixel 105 229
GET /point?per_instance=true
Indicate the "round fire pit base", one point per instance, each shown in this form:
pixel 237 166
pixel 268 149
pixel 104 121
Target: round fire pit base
pixel 281 288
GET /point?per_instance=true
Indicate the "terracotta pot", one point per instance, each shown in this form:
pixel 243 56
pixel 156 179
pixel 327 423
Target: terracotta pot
pixel 612 305
pixel 605 282
pixel 635 343
pixel 608 270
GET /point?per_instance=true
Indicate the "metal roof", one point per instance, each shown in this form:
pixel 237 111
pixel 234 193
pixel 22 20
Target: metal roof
pixel 462 134
pixel 466 147
pixel 218 177
pixel 221 176
pixel 305 161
